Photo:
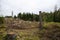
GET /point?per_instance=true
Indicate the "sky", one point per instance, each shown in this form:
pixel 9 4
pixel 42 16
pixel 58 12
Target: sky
pixel 32 6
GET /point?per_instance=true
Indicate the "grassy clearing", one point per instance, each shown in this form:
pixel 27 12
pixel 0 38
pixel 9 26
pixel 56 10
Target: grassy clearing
pixel 50 31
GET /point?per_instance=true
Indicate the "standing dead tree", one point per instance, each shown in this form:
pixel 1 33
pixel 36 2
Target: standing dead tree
pixel 40 20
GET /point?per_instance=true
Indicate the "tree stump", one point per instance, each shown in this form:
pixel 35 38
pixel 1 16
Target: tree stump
pixel 11 36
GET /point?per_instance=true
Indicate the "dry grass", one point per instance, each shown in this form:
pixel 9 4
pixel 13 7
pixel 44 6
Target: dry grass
pixel 27 30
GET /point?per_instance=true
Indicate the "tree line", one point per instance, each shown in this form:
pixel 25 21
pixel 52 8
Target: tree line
pixel 46 16
pixel 28 16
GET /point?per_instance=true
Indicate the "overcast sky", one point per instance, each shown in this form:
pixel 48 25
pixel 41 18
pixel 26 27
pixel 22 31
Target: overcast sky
pixel 32 6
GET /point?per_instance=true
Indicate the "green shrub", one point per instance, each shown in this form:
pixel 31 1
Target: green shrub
pixel 1 20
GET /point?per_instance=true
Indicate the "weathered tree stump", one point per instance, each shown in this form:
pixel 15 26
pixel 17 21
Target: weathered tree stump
pixel 11 36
